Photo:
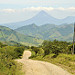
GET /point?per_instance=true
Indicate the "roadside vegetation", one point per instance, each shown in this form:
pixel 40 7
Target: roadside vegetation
pixel 7 55
pixel 56 52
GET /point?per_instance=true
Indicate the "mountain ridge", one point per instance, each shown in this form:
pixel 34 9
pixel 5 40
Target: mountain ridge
pixel 40 19
pixel 49 31
pixel 7 34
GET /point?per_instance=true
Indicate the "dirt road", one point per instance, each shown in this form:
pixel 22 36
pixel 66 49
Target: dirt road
pixel 32 67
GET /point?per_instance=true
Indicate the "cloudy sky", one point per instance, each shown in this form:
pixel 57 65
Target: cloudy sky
pixel 20 10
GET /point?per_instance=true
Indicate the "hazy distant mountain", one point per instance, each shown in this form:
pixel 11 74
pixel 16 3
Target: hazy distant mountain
pixel 7 34
pixel 68 20
pixel 48 31
pixel 40 19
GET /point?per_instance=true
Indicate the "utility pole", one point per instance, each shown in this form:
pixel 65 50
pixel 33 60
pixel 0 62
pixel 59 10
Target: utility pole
pixel 73 40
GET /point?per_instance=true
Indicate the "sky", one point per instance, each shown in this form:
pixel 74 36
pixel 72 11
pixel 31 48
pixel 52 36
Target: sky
pixel 21 10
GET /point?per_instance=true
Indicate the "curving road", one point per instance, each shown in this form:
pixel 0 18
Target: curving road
pixel 32 67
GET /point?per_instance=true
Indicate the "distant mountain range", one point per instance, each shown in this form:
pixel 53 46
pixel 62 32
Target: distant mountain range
pixel 48 31
pixel 7 34
pixel 40 19
pixel 41 26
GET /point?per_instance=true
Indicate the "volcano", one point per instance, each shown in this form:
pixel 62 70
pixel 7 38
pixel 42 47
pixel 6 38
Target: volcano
pixel 40 19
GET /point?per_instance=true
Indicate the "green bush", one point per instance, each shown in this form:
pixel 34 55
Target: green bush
pixel 55 47
pixel 70 48
pixel 33 54
pixel 19 51
pixel 7 65
pixel 38 51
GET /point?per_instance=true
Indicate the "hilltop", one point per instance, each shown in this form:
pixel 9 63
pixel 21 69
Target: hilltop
pixel 7 34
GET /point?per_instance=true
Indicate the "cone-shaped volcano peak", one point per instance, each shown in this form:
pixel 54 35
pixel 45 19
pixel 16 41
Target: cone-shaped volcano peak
pixel 42 12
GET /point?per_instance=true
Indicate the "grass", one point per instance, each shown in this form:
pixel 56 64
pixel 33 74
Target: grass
pixel 66 61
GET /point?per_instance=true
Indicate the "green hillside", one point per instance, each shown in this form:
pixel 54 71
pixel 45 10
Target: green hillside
pixel 7 34
pixel 49 31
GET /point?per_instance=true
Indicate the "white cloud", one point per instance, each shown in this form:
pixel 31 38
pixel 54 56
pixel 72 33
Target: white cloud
pixel 8 10
pixel 47 8
pixel 71 8
pixel 38 8
pixel 61 8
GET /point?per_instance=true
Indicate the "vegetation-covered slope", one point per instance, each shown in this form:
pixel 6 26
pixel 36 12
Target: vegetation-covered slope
pixel 7 34
pixel 7 55
pixel 49 31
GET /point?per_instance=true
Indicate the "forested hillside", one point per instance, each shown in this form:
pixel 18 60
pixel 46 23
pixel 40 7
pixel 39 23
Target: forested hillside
pixel 63 32
pixel 7 34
